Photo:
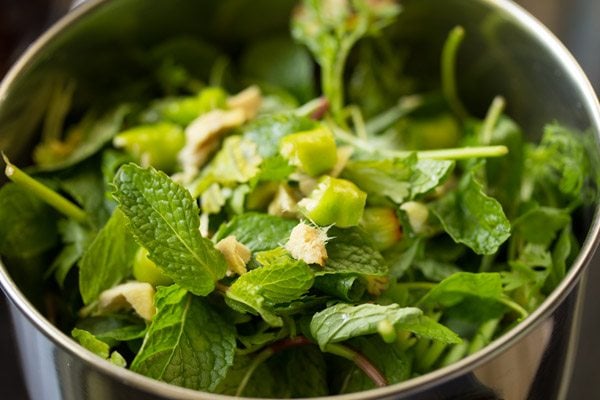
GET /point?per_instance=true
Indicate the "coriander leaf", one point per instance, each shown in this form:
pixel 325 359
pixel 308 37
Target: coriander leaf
pixel 259 232
pixel 188 343
pixel 350 252
pixel 94 135
pixel 428 328
pixel 541 224
pixel 108 259
pixel 281 63
pixel 76 238
pixel 429 174
pixel 330 29
pixel 280 282
pixel 463 285
pixel 266 131
pixel 164 220
pixel 395 365
pixel 560 255
pixel 29 226
pixel 471 217
pixel 389 177
pixel 344 321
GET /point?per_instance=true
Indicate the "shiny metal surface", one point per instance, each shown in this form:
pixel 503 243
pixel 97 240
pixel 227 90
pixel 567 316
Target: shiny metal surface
pixel 507 52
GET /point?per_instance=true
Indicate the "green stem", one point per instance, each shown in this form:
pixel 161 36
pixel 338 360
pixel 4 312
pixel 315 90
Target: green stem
pixel 43 192
pixel 484 335
pixel 455 353
pixel 430 357
pixel 405 106
pixel 458 153
pixel 359 360
pixel 266 354
pixel 514 306
pixel 449 87
pixel 491 119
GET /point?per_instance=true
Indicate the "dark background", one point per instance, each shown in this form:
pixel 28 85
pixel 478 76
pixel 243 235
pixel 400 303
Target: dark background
pixel 575 22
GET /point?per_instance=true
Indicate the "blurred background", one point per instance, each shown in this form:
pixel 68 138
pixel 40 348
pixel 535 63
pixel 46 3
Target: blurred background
pixel 573 21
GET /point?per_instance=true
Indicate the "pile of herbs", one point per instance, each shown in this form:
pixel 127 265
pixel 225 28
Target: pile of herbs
pixel 331 247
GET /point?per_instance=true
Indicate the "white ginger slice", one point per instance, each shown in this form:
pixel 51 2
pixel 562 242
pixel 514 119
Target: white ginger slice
pixel 248 100
pixel 236 254
pixel 138 296
pixel 307 243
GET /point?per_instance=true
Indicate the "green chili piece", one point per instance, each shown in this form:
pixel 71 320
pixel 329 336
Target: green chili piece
pixel 334 202
pixel 382 226
pixel 145 270
pixel 156 145
pixel 314 151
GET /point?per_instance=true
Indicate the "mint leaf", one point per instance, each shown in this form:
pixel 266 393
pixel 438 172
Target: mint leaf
pixel 471 217
pixel 350 252
pixel 305 371
pixel 188 344
pixel 345 287
pixel 266 131
pixel 28 225
pixel 108 259
pixel 428 328
pixel 429 174
pixel 113 329
pixel 280 282
pixel 541 224
pixel 164 219
pixel 344 321
pixel 463 285
pixel 273 169
pixel 262 384
pixel 259 232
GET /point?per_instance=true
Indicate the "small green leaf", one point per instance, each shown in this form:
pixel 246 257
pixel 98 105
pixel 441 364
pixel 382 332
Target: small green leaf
pixel 280 282
pixel 473 218
pixel 463 285
pixel 305 371
pixel 90 342
pixel 258 232
pixel 28 225
pixel 350 252
pixel 108 259
pixel 164 220
pixel 266 131
pixel 75 237
pixel 344 321
pixel 345 287
pixel 262 384
pixel 188 343
pixel 541 224
pixel 426 327
pixel 389 177
pixel 114 328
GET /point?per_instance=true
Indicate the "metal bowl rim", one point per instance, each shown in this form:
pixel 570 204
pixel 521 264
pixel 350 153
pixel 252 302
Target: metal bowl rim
pixel 511 10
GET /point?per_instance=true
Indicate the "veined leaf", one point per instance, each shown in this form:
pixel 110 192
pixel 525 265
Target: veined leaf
pixel 462 285
pixel 108 259
pixel 259 232
pixel 541 224
pixel 473 218
pixel 164 219
pixel 349 252
pixel 188 343
pixel 264 287
pixel 344 321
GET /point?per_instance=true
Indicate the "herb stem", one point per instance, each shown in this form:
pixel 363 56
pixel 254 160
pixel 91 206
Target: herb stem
pixel 405 106
pixel 266 354
pixel 514 306
pixel 359 360
pixel 432 354
pixel 43 192
pixel 484 335
pixel 449 87
pixel 458 153
pixel 491 119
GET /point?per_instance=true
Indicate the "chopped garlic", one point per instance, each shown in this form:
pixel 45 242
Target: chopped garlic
pixel 417 215
pixel 307 243
pixel 236 255
pixel 248 100
pixel 136 295
pixel 284 204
